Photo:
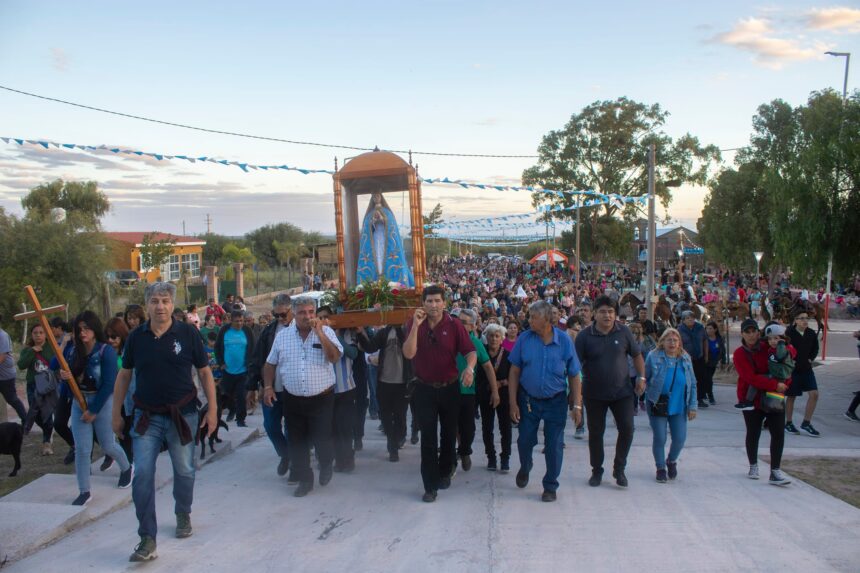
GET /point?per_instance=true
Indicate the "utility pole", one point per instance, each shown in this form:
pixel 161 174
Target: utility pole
pixel 208 224
pixel 546 244
pixel 652 232
pixel 183 228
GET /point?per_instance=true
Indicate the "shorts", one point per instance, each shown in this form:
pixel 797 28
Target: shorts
pixel 802 382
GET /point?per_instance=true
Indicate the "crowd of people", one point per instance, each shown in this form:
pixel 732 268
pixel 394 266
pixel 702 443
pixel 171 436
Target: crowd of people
pixel 512 345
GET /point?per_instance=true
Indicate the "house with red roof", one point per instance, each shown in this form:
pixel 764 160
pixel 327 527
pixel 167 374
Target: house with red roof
pixel 187 255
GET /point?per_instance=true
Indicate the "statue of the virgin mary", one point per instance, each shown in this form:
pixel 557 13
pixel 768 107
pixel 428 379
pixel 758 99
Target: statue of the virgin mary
pixel 380 249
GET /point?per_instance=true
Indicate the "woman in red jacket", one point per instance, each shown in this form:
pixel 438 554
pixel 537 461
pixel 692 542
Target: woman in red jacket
pixel 751 364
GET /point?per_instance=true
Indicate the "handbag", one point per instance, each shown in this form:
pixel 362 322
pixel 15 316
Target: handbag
pixel 772 402
pixel 660 408
pixel 45 380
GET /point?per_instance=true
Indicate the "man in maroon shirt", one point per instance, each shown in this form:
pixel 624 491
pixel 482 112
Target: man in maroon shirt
pixel 433 343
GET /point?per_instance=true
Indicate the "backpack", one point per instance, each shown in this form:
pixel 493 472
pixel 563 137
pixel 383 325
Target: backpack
pixel 45 380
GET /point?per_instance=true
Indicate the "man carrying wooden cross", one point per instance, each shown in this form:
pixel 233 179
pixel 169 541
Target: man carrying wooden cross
pixel 162 352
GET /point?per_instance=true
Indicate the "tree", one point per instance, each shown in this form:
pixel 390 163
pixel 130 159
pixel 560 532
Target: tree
pixel 262 240
pixel 83 203
pixel 154 252
pixel 434 218
pixel 795 192
pixel 288 251
pixel 63 264
pixel 733 208
pixel 233 253
pixel 604 149
pixel 213 250
pixel 605 239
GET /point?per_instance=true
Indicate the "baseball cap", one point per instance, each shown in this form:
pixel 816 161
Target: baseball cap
pixel 774 330
pixel 748 323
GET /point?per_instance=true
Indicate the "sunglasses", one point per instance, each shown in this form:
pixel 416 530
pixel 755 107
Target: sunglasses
pixel 281 314
pixel 431 336
pixel 113 336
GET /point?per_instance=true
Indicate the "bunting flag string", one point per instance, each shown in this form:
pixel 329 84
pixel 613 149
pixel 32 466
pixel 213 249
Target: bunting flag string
pixel 598 198
pixel 248 166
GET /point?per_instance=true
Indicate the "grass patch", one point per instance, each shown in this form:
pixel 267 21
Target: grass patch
pixel 834 475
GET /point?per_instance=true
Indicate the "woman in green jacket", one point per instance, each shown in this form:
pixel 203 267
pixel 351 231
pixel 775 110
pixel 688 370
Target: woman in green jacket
pixel 35 358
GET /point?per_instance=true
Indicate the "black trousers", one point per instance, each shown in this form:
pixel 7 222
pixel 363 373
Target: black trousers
pixel 488 422
pixel 10 394
pixel 701 373
pixel 708 386
pixel 62 413
pixel 622 411
pixel 309 421
pixel 233 389
pixel 776 427
pixel 392 411
pixel 466 424
pixel 343 424
pixel 437 410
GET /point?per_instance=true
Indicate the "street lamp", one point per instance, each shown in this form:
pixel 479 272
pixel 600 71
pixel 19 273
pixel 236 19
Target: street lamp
pixel 758 255
pixel 847 56
pixel 680 265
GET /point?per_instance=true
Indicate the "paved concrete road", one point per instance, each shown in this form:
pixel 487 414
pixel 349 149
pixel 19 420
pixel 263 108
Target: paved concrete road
pixel 711 519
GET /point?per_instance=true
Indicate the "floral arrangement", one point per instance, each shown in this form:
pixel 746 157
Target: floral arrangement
pixel 376 295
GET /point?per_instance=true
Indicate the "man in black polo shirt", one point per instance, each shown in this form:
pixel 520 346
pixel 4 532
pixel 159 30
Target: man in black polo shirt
pixel 603 348
pixel 162 352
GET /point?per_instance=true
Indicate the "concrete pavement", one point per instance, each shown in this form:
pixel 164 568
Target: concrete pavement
pixel 711 519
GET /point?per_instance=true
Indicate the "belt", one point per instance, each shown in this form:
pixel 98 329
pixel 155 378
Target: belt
pixel 437 384
pixel 325 392
pixel 556 395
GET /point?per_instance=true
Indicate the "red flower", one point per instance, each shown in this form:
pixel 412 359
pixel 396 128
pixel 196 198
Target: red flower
pixel 395 292
pixel 359 295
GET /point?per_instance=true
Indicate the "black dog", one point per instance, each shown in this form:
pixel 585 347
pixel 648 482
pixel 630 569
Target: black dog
pixel 200 436
pixel 11 438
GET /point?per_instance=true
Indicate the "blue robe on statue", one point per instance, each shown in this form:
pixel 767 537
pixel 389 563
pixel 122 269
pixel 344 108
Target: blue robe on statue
pixel 380 249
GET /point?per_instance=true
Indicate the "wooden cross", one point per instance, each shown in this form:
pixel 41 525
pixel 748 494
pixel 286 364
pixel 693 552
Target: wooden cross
pixel 40 313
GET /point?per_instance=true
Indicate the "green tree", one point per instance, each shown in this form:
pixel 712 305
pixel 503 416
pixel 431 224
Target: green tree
pixel 733 209
pixel 83 203
pixel 233 253
pixel 155 251
pixel 262 240
pixel 603 148
pixel 288 252
pixel 213 250
pixel 605 238
pixel 434 218
pixel 63 264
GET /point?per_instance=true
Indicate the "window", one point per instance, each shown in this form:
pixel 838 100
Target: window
pixel 636 234
pixel 191 264
pixel 170 269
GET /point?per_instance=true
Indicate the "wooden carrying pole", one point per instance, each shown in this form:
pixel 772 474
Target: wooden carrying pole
pixel 40 313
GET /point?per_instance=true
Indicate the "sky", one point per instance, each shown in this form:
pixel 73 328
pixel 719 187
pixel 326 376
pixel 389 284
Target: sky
pixel 433 76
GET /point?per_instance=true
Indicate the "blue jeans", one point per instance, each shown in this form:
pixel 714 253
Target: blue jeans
pixel 83 434
pixel 553 412
pixel 275 424
pixel 372 372
pixel 146 449
pixel 677 425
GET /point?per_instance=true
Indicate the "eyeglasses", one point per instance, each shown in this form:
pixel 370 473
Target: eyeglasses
pixel 431 336
pixel 802 318
pixel 281 314
pixel 113 336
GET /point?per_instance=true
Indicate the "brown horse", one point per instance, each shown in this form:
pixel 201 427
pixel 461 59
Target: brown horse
pixel 632 300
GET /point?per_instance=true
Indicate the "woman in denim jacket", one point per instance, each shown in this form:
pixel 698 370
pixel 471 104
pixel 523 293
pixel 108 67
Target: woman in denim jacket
pixel 669 371
pixel 94 367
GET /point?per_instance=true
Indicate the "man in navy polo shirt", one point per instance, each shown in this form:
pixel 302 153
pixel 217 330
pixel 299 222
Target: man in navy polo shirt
pixel 543 363
pixel 162 352
pixel 603 348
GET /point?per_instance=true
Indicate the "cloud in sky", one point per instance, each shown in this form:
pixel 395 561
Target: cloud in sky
pixel 60 59
pixel 838 19
pixel 756 35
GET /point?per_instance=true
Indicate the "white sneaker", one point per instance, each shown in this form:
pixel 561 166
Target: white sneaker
pixel 753 472
pixel 777 477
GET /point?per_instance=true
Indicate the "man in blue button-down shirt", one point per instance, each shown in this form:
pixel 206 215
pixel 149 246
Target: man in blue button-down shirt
pixel 543 363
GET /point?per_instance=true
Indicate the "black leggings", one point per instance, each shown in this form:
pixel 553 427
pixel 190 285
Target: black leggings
pixel 854 403
pixel 62 413
pixel 776 426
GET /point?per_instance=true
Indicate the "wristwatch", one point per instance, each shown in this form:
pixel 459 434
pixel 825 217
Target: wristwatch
pixel 576 407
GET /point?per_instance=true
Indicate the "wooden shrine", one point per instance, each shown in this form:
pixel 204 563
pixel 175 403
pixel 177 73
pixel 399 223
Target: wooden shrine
pixel 375 172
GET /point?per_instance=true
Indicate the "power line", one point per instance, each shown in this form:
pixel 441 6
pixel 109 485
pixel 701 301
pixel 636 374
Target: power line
pixel 260 137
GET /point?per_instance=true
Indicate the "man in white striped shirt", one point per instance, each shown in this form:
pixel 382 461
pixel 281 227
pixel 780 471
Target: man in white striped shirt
pixel 303 354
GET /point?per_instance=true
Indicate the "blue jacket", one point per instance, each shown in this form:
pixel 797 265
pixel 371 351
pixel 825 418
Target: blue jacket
pixel 102 366
pixel 656 367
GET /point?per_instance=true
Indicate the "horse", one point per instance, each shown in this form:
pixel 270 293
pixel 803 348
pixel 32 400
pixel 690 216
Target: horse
pixel 630 299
